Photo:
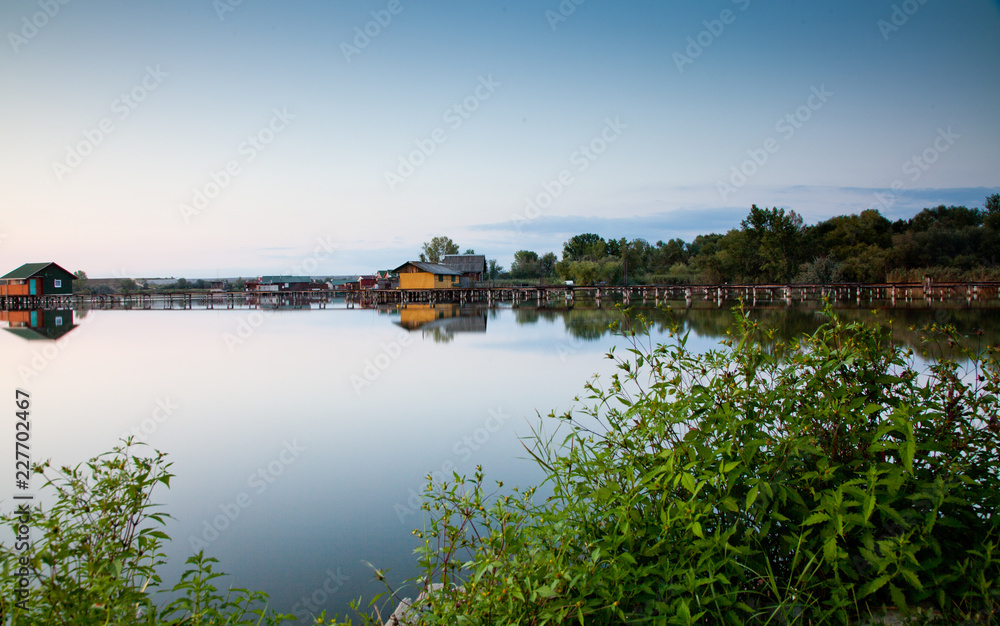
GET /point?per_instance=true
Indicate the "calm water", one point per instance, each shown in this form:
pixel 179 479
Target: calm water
pixel 299 437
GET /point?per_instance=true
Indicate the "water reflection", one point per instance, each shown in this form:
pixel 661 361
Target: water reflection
pixel 440 322
pixel 591 324
pixel 41 324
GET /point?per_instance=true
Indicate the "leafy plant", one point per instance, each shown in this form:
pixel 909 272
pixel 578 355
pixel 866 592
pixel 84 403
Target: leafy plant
pixel 820 480
pixel 94 553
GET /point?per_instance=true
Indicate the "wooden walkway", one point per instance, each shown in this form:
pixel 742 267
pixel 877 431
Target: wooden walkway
pixel 923 293
pixel 655 294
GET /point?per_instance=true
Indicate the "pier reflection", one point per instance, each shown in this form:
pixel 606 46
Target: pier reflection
pixel 48 324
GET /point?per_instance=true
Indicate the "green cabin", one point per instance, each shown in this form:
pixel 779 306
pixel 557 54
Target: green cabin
pixel 37 279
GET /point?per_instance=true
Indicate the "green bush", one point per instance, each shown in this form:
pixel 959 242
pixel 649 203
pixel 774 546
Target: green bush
pixel 821 480
pixel 92 557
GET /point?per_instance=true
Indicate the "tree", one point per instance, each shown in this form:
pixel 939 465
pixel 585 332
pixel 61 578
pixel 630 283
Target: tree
pixel 525 264
pixel 437 248
pixel 469 251
pixel 993 203
pixel 993 212
pixel 80 285
pixel 495 269
pixel 585 247
pixel 547 265
pixel 771 248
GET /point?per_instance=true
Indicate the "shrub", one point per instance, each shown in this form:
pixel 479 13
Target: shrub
pixel 819 480
pixel 93 555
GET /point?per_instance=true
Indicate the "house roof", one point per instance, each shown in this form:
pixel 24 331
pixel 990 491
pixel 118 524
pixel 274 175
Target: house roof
pixel 466 263
pixel 285 279
pixel 32 334
pixel 30 269
pixel 431 268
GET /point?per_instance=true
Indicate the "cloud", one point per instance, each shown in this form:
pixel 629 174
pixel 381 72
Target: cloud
pixel 683 223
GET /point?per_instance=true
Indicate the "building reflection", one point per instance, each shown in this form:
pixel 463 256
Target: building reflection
pixel 442 321
pixel 40 324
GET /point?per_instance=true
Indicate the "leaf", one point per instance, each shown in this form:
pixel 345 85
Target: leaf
pixel 830 549
pixel 907 450
pixel 684 612
pixel 752 496
pixel 911 577
pixel 688 481
pixel 816 518
pixel 898 597
pixel 869 506
pixel 696 529
pixel 873 585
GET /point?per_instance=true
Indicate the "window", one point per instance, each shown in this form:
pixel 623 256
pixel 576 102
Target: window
pixel 58 283
pixel 59 321
pixel 440 278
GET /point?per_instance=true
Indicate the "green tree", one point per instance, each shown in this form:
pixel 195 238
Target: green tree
pixel 525 264
pixel 772 245
pixel 494 269
pixel 437 248
pixel 587 246
pixel 80 285
pixel 668 254
pixel 547 265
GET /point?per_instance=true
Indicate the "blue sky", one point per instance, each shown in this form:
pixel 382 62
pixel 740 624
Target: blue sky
pixel 205 138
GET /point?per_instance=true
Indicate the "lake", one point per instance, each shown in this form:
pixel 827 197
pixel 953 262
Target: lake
pixel 300 439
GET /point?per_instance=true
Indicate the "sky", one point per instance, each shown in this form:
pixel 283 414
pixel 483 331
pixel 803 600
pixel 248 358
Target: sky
pixel 216 138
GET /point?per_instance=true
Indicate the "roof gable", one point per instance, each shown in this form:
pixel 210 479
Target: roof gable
pixel 430 268
pixel 466 263
pixel 30 269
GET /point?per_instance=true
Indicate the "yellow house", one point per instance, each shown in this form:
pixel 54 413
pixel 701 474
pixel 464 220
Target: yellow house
pixel 420 275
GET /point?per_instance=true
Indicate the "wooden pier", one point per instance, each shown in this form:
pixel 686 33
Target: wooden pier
pixel 843 293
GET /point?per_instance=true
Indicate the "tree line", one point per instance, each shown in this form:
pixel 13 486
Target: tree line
pixel 947 243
